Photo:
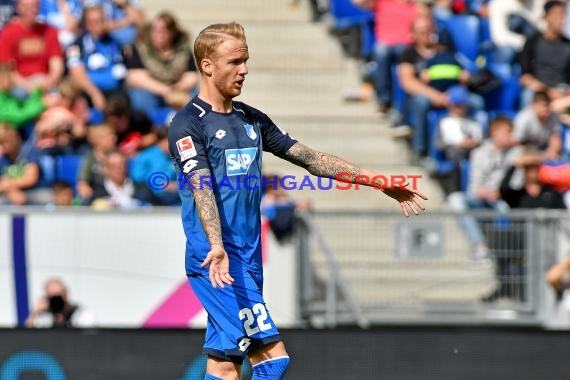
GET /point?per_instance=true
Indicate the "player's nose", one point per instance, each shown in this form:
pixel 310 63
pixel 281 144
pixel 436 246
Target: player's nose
pixel 243 69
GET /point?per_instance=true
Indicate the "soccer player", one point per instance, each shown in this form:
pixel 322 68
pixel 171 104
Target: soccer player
pixel 217 143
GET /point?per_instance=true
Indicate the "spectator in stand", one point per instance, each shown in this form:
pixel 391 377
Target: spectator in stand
pixel 533 193
pixel 35 50
pixel 16 111
pixel 134 129
pixel 511 22
pixel 7 12
pixel 75 102
pixel 21 179
pixel 413 72
pixel 156 159
pixel 539 127
pixel 117 189
pixel 457 135
pixel 125 19
pixel 393 25
pixel 160 62
pixel 545 59
pixel 65 16
pixel 95 61
pixel 54 309
pixel 103 139
pixel 489 163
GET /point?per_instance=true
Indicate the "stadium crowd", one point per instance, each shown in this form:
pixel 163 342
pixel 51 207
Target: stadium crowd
pixel 86 87
pixel 451 74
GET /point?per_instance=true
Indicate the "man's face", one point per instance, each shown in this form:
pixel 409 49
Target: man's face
pixel 95 22
pixel 542 110
pixel 55 288
pixel 501 135
pixel 424 33
pixel 229 67
pixel 116 168
pixel 555 19
pixel 28 10
pixel 531 173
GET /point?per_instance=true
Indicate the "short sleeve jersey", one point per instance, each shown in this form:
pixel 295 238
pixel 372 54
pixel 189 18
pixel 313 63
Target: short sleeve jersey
pixel 230 145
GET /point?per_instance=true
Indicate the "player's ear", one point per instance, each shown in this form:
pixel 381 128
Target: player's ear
pixel 207 66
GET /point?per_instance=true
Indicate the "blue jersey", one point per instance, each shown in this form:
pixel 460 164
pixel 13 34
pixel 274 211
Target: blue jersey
pixel 230 145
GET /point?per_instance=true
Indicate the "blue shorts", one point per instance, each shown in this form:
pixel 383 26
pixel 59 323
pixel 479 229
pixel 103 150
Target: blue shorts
pixel 238 320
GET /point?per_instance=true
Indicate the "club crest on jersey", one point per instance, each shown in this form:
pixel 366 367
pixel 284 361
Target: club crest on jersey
pixel 238 161
pixel 250 132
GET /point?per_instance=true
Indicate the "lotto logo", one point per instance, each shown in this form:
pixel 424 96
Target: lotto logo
pixel 239 160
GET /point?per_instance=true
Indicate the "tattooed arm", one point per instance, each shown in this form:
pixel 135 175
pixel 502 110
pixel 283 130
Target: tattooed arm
pixel 205 201
pixel 326 165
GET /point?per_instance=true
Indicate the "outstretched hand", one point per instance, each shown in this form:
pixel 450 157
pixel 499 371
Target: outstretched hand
pixel 407 199
pixel 219 263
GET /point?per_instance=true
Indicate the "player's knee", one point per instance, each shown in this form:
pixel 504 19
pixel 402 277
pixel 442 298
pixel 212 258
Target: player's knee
pixel 220 369
pixel 271 369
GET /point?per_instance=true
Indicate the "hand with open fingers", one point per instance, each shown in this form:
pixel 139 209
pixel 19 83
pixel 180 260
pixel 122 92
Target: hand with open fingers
pixel 407 198
pixel 219 263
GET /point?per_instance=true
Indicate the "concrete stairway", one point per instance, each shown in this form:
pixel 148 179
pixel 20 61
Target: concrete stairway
pixel 296 75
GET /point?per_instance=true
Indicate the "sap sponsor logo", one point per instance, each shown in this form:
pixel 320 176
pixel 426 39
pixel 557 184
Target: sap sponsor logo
pixel 238 161
pixel 186 148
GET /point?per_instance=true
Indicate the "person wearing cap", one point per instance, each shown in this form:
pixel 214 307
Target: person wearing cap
pixel 545 58
pixel 458 134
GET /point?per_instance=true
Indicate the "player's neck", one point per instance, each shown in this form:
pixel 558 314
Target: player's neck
pixel 218 102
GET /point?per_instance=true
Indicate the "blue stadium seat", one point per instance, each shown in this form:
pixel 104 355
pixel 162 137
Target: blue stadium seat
pixel 96 116
pixel 67 168
pixel 47 168
pixel 442 165
pixel 398 94
pixel 346 15
pixel 161 117
pixel 506 97
pixel 565 141
pixel 465 166
pixel 466 33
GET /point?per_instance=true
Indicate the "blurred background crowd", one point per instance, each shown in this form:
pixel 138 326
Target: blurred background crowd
pixel 85 89
pixel 478 88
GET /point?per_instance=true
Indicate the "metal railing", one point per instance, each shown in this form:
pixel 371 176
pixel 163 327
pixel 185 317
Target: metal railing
pixel 365 268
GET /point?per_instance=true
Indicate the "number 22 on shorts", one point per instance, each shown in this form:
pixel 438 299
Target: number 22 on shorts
pixel 246 315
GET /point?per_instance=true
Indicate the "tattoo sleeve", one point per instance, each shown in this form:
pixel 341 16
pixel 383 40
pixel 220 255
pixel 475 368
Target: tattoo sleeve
pixel 206 205
pixel 327 165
